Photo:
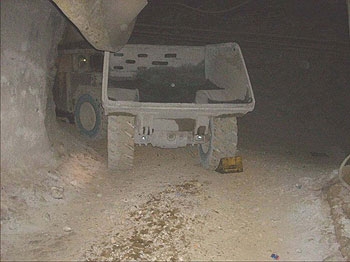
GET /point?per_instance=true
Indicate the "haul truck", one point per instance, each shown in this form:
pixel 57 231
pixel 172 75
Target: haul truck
pixel 166 96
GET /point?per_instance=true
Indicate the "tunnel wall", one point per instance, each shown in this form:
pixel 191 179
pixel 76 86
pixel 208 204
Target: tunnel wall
pixel 30 32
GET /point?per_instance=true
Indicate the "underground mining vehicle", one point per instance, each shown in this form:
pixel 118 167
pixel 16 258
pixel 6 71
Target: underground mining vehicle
pixel 166 96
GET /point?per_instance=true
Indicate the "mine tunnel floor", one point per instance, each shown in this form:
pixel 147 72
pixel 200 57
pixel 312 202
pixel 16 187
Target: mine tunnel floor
pixel 168 207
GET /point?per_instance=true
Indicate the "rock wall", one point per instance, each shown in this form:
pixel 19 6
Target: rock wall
pixel 30 32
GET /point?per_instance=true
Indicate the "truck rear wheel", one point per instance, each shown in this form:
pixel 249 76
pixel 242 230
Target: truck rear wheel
pixel 222 142
pixel 120 142
pixel 87 116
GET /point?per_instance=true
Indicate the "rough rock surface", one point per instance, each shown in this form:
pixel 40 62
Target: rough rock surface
pixel 28 52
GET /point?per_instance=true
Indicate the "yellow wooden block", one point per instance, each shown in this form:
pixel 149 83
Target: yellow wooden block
pixel 230 165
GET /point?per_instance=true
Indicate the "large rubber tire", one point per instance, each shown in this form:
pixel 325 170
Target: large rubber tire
pixel 120 142
pixel 222 142
pixel 87 115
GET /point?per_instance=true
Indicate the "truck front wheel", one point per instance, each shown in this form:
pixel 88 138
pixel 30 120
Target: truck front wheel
pixel 120 142
pixel 222 142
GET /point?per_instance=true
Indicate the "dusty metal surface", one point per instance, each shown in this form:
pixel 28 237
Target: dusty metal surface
pixel 221 64
pixel 180 56
pixel 106 24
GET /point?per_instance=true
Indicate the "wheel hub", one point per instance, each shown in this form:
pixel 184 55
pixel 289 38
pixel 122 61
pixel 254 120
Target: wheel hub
pixel 87 116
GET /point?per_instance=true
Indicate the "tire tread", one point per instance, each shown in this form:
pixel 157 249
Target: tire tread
pixel 120 142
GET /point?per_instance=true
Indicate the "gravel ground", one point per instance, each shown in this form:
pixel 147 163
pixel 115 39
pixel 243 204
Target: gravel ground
pixel 169 208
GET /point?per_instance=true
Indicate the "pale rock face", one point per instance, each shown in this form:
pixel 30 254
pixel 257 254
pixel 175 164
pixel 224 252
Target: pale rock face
pixel 30 32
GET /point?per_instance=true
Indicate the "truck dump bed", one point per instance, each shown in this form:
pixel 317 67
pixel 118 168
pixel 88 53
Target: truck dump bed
pixel 177 81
